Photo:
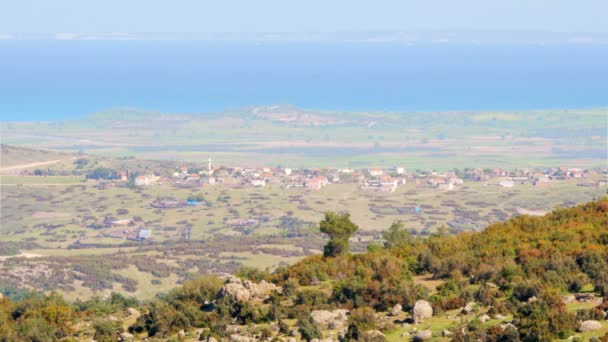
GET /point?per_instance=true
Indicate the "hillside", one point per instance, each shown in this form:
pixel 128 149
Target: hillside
pixel 14 158
pixel 529 279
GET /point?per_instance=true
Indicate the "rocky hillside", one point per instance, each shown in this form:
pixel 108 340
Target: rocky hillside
pixel 528 279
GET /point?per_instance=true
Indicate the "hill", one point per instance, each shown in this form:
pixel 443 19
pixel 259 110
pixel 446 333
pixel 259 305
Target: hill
pixel 528 279
pixel 14 158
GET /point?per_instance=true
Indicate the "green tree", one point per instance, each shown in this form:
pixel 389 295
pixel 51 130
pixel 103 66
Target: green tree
pixel 107 330
pixel 339 228
pixel 396 236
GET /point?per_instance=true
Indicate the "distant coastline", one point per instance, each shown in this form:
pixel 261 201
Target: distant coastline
pixel 58 80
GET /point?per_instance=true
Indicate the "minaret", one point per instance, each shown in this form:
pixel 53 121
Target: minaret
pixel 209 166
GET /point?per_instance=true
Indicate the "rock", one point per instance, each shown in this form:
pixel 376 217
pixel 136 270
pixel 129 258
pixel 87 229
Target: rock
pixel 590 325
pixel 484 318
pixel 374 335
pixel 294 332
pixel 506 326
pixel 532 299
pixel 396 310
pixel 239 338
pixel 133 312
pixel 405 334
pixel 211 339
pixel 337 318
pixel 584 297
pixel 423 335
pixel 233 329
pixel 568 299
pixel 245 290
pixel 181 334
pixel 126 337
pixel 499 316
pixel 422 310
pixel 446 333
pixel 470 307
pixel 291 339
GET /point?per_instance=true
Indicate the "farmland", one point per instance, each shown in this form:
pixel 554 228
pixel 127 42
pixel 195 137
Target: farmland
pixel 57 229
pixel 294 137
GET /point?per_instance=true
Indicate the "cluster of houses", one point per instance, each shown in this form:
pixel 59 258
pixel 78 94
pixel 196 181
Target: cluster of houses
pixel 370 179
pixel 547 177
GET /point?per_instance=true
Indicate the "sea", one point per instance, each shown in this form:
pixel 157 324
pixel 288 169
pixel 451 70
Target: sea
pixel 48 80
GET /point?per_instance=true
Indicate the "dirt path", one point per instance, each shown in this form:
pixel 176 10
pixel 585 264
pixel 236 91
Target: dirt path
pixel 25 166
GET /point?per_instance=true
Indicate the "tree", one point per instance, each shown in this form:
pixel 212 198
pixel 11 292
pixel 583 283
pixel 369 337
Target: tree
pixel 339 228
pixel 107 330
pixel 396 236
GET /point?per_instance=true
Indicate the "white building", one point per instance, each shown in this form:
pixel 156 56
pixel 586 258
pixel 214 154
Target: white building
pixel 258 182
pixel 507 183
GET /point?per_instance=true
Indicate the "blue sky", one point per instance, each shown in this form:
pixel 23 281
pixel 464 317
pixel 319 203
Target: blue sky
pixel 203 16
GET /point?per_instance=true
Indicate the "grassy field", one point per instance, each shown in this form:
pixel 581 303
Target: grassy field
pixel 288 136
pixel 59 213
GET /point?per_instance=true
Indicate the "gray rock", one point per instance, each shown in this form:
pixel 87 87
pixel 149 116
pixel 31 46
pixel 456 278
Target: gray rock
pixel 133 312
pixel 446 333
pixel 470 307
pixel 337 318
pixel 590 325
pixel 126 337
pixel 567 299
pixel 423 335
pixel 245 290
pixel 422 310
pixel 484 318
pixel 396 310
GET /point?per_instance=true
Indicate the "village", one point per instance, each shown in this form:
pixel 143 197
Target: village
pixel 368 179
pixel 239 197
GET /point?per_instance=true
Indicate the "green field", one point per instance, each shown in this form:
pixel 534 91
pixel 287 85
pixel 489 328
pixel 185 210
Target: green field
pixel 295 137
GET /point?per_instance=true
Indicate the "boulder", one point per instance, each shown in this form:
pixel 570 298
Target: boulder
pixel 446 333
pixel 470 307
pixel 133 312
pixel 337 318
pixel 567 299
pixel 245 290
pixel 423 335
pixel 590 325
pixel 181 334
pixel 484 318
pixel 396 310
pixel 126 337
pixel 422 310
pixel 584 297
pixel 294 332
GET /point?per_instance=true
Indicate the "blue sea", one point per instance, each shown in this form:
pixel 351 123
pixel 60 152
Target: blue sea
pixel 59 80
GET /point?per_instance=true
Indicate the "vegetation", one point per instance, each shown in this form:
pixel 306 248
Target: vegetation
pixel 339 228
pixel 519 268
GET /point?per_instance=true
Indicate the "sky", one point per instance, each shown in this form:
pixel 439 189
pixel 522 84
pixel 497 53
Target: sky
pixel 299 16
